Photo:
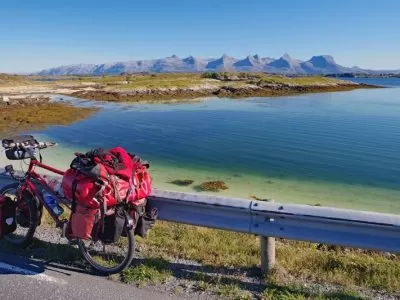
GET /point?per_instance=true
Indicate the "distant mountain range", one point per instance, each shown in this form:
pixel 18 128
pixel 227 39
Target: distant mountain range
pixel 322 64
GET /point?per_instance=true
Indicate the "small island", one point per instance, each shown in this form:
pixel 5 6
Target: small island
pixel 167 87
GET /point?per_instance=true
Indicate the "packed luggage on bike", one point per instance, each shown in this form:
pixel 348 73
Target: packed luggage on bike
pixel 99 203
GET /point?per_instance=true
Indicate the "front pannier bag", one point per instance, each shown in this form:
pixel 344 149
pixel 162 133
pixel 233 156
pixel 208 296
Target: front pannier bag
pixel 8 223
pixel 113 226
pixel 145 217
pixel 103 183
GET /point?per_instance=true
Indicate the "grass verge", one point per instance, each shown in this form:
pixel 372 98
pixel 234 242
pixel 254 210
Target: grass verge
pixel 295 260
pixel 151 271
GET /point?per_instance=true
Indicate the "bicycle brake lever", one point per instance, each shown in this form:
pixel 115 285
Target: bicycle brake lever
pixel 10 169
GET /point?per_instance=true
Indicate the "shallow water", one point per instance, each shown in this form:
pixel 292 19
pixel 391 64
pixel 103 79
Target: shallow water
pixel 337 149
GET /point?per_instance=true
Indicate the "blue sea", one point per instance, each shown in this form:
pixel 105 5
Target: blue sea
pixel 337 149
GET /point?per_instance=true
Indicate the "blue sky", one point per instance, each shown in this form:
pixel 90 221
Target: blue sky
pixel 46 33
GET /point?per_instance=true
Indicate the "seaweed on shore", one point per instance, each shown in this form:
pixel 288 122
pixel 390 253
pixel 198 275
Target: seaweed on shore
pixel 252 196
pixel 182 182
pixel 36 113
pixel 213 186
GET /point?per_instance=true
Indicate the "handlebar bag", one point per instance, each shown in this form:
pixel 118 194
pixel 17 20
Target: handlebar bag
pixel 8 223
pixel 16 154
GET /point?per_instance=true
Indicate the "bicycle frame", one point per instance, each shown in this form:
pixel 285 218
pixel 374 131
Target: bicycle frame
pixel 28 185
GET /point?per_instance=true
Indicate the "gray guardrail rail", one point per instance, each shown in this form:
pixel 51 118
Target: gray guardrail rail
pixel 335 226
pixel 350 228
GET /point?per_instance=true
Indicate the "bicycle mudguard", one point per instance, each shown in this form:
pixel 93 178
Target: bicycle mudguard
pixel 28 195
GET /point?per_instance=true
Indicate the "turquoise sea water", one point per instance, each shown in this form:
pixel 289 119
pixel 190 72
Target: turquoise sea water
pixel 338 149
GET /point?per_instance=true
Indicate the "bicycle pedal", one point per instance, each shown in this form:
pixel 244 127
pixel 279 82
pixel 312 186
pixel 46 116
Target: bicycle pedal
pixel 73 242
pixel 64 225
pixel 63 230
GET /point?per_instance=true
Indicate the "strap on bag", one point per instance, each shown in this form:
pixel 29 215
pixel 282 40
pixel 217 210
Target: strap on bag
pixel 74 202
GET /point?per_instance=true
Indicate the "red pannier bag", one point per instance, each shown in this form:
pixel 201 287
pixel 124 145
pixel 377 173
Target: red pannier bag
pixel 133 183
pixel 125 176
pixel 86 189
pixel 82 222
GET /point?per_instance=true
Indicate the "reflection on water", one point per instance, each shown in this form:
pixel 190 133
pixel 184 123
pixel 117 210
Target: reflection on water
pixel 335 148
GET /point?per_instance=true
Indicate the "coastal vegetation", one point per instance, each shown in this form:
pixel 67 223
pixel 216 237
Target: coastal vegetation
pixel 173 86
pixel 33 113
pixel 156 87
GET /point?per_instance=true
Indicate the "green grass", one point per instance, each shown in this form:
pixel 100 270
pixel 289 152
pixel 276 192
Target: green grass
pixel 177 80
pixel 295 260
pixel 297 292
pixel 151 271
pixel 13 80
pixel 303 81
pixel 186 80
pixel 233 291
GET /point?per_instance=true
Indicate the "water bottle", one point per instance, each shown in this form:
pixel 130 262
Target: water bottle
pixel 52 202
pixel 55 185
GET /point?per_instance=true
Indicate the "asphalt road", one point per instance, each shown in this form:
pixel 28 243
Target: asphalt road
pixel 22 278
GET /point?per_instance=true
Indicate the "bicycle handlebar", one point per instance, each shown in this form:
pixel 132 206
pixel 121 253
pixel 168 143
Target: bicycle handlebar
pixel 39 145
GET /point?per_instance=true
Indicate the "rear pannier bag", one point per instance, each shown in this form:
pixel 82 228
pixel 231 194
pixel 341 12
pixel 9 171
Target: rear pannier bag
pixel 8 223
pixel 125 176
pixel 82 222
pixel 145 217
pixel 113 226
pixel 86 189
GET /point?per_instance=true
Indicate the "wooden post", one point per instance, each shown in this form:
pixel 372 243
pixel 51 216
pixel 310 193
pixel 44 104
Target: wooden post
pixel 267 246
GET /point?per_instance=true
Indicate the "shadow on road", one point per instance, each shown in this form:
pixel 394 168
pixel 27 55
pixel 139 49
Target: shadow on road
pixel 66 259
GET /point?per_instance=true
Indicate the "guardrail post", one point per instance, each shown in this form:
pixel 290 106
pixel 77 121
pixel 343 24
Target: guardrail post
pixel 267 246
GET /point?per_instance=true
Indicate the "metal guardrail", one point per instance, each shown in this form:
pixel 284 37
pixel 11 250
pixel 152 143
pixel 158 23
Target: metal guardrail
pixel 342 227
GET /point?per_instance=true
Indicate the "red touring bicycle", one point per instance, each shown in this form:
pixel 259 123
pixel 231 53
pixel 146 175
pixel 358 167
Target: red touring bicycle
pixel 28 192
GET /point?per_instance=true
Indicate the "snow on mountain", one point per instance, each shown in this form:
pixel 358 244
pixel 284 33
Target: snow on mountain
pixel 322 64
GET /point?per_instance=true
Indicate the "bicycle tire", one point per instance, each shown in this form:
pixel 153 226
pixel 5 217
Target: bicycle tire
pixel 112 270
pixel 33 214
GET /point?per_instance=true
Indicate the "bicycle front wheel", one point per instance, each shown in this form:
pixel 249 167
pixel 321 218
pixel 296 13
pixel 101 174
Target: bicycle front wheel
pixel 26 215
pixel 109 259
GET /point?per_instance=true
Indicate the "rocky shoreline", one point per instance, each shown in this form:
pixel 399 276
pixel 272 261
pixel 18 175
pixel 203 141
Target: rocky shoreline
pixel 245 90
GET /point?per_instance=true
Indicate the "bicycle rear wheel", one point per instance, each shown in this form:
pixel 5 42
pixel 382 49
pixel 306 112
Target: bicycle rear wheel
pixel 109 259
pixel 26 216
